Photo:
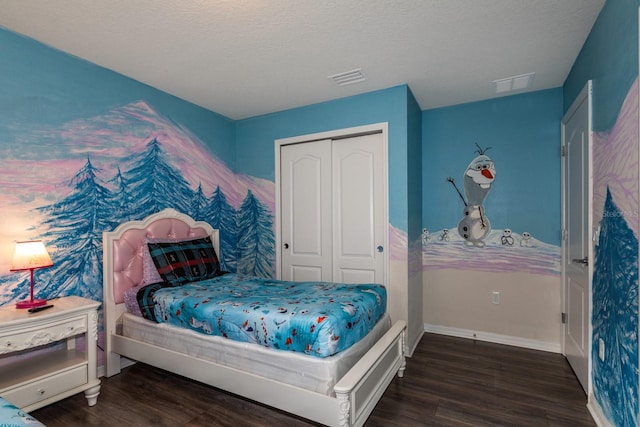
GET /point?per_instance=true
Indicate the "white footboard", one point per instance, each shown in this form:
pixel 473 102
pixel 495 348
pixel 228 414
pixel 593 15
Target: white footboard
pixel 361 388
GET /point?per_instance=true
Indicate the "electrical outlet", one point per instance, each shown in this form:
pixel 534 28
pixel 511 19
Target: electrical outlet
pixel 601 349
pixel 495 297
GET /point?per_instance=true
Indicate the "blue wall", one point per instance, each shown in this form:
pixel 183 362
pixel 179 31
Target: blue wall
pixel 610 58
pixel 523 132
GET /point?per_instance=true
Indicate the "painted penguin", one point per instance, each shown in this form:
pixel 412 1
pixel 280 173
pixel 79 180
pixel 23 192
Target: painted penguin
pixel 478 177
pixel 526 239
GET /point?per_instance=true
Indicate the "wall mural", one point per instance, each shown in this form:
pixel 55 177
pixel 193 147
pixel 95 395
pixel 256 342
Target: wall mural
pixel 480 174
pixel 148 163
pixel 615 280
pixel 615 318
pixel 476 246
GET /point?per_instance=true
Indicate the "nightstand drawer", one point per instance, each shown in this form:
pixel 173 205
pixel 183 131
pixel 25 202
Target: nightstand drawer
pixel 41 336
pixel 46 388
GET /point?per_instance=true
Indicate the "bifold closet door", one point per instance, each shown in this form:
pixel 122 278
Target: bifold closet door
pixel 332 205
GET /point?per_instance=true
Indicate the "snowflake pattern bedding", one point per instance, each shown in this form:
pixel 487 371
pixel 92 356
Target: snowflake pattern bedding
pixel 12 416
pixel 315 318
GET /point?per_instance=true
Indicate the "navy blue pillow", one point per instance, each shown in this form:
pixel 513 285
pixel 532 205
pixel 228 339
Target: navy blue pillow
pixel 183 262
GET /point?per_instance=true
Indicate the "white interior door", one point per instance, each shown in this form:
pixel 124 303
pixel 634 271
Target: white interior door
pixel 305 171
pixel 576 246
pixel 332 210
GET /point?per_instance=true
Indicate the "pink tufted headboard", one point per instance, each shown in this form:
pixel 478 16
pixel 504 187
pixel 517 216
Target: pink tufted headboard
pixel 122 265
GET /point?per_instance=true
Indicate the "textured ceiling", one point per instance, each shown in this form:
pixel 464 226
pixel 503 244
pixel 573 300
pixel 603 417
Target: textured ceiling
pixel 243 58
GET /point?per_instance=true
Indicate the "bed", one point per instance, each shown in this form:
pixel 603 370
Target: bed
pixel 339 390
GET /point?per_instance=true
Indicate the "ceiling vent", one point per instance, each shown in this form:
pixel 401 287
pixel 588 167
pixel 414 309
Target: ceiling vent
pixel 511 84
pixel 348 77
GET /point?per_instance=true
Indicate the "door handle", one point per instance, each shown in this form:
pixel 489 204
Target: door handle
pixel 583 261
pixel 379 248
pixel 286 246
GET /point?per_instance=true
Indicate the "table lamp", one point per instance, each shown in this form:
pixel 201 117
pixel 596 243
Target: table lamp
pixel 29 256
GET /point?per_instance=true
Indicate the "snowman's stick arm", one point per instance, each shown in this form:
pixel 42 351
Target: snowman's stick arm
pixel 482 219
pixel 456 187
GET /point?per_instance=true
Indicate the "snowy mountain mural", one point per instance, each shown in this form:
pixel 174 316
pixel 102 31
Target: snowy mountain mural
pixel 615 280
pixel 615 162
pixel 121 174
pixel 615 318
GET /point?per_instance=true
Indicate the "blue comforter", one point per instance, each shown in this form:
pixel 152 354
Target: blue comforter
pixel 12 416
pixel 315 318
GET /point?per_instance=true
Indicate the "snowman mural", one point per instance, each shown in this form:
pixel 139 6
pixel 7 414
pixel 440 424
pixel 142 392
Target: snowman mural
pixel 478 177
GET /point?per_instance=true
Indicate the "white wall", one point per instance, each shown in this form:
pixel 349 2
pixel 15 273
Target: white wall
pixel 459 302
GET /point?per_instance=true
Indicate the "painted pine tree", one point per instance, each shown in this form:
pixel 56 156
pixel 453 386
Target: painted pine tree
pixel 156 184
pixel 255 238
pixel 74 228
pixel 122 198
pixel 221 215
pixel 198 205
pixel 615 318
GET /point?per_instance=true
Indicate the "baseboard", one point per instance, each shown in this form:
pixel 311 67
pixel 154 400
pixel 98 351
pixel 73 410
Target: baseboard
pixel 596 412
pixel 495 338
pixel 415 344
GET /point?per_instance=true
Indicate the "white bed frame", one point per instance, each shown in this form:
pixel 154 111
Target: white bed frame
pixel 356 393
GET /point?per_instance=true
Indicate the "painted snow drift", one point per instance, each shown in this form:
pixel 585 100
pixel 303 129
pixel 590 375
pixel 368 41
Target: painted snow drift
pixel 503 251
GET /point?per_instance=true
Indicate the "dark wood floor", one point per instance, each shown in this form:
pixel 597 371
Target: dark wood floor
pixel 448 382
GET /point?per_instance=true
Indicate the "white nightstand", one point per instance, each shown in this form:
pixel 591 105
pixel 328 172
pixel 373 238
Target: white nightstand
pixel 49 355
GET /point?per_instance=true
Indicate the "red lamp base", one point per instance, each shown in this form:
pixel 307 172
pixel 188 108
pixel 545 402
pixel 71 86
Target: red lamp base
pixel 31 304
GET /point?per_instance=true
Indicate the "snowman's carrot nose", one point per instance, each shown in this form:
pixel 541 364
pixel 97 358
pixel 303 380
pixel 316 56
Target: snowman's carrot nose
pixel 487 173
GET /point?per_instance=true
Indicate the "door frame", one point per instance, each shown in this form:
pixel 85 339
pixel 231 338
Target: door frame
pixel 337 134
pixel 586 95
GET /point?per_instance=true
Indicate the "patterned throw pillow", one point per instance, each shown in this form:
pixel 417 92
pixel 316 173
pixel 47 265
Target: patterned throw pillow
pixel 149 271
pixel 187 261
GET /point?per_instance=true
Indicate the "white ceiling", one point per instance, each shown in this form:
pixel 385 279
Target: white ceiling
pixel 242 58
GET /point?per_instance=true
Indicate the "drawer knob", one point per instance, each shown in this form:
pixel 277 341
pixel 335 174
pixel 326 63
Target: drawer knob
pixel 9 343
pixel 41 392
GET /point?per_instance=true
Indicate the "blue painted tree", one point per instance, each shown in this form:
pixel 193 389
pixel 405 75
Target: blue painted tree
pixel 255 238
pixel 615 318
pixel 198 205
pixel 221 215
pixel 74 227
pixel 156 184
pixel 122 199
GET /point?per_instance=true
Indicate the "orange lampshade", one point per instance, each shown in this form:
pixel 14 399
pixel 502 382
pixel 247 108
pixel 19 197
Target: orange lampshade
pixel 29 255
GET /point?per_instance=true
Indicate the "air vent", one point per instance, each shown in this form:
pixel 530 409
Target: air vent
pixel 348 77
pixel 510 84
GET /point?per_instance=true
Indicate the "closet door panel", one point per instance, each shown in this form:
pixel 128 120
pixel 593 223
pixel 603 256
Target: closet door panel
pixel 306 211
pixel 357 206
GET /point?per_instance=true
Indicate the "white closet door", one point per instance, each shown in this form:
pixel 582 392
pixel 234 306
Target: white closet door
pixel 306 211
pixel 332 210
pixel 358 203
